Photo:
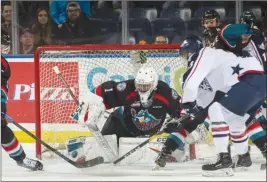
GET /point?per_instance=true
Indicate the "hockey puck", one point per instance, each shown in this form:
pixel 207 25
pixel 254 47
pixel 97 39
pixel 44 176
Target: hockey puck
pixel 81 159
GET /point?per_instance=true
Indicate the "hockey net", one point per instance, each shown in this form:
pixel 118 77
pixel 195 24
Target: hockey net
pixel 84 67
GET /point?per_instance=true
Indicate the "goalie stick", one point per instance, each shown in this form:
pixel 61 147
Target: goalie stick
pixel 89 163
pixel 93 127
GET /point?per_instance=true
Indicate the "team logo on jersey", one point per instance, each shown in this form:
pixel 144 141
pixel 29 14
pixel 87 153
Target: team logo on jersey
pixel 121 86
pixel 143 120
pixel 205 85
pixel 236 69
pixel 174 94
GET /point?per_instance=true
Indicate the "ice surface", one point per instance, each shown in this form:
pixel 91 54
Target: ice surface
pixel 59 170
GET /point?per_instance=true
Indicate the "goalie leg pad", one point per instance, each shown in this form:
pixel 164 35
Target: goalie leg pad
pixel 76 149
pixel 88 148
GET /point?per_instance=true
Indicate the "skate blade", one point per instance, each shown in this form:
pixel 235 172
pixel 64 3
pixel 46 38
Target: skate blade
pixel 219 173
pixel 240 169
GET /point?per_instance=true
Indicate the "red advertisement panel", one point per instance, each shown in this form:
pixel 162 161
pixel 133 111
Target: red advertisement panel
pixel 21 92
pixel 57 103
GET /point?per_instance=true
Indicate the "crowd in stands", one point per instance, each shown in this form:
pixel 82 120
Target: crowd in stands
pixel 99 22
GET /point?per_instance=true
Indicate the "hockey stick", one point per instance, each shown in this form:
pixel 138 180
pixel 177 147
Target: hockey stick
pixel 151 138
pixel 93 127
pixel 89 163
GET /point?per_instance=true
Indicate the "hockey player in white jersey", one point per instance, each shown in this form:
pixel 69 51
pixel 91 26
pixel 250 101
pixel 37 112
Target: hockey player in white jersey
pixel 254 125
pixel 243 81
pixel 238 77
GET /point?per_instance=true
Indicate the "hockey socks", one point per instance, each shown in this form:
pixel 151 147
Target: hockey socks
pixel 220 133
pixel 260 117
pixel 257 135
pixel 11 145
pixel 174 141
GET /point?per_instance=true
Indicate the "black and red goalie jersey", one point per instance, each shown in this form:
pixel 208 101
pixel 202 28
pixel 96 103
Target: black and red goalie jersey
pixel 138 118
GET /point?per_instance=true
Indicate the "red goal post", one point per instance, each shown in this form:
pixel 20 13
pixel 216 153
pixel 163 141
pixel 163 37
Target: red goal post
pixel 84 67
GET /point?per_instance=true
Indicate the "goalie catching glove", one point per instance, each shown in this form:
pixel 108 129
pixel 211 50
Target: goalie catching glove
pixel 90 109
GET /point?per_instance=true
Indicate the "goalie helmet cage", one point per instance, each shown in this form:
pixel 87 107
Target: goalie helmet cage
pixel 84 67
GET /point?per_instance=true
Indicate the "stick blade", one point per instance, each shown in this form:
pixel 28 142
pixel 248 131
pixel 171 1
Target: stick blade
pixel 93 162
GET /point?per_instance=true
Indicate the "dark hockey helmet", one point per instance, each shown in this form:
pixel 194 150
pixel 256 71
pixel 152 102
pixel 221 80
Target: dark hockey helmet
pixel 209 36
pixel 190 45
pixel 211 14
pixel 247 17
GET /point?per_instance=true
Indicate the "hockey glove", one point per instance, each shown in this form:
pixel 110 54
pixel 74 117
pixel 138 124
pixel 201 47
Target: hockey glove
pixel 191 108
pixel 91 109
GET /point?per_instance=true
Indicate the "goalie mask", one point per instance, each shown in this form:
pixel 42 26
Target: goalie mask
pixel 146 82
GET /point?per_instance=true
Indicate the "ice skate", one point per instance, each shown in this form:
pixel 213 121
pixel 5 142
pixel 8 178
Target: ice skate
pixel 222 167
pixel 31 164
pixel 162 158
pixel 242 162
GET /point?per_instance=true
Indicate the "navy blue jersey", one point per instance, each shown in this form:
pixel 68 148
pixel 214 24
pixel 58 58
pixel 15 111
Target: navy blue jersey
pixel 255 48
pixel 191 61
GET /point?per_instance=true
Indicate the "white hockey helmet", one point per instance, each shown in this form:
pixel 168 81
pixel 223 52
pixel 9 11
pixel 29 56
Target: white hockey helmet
pixel 146 82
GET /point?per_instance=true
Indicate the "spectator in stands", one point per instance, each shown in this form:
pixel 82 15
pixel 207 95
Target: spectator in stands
pixel 59 14
pixel 6 25
pixel 27 41
pixel 142 42
pixel 27 11
pixel 76 27
pixel 161 39
pixel 42 29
